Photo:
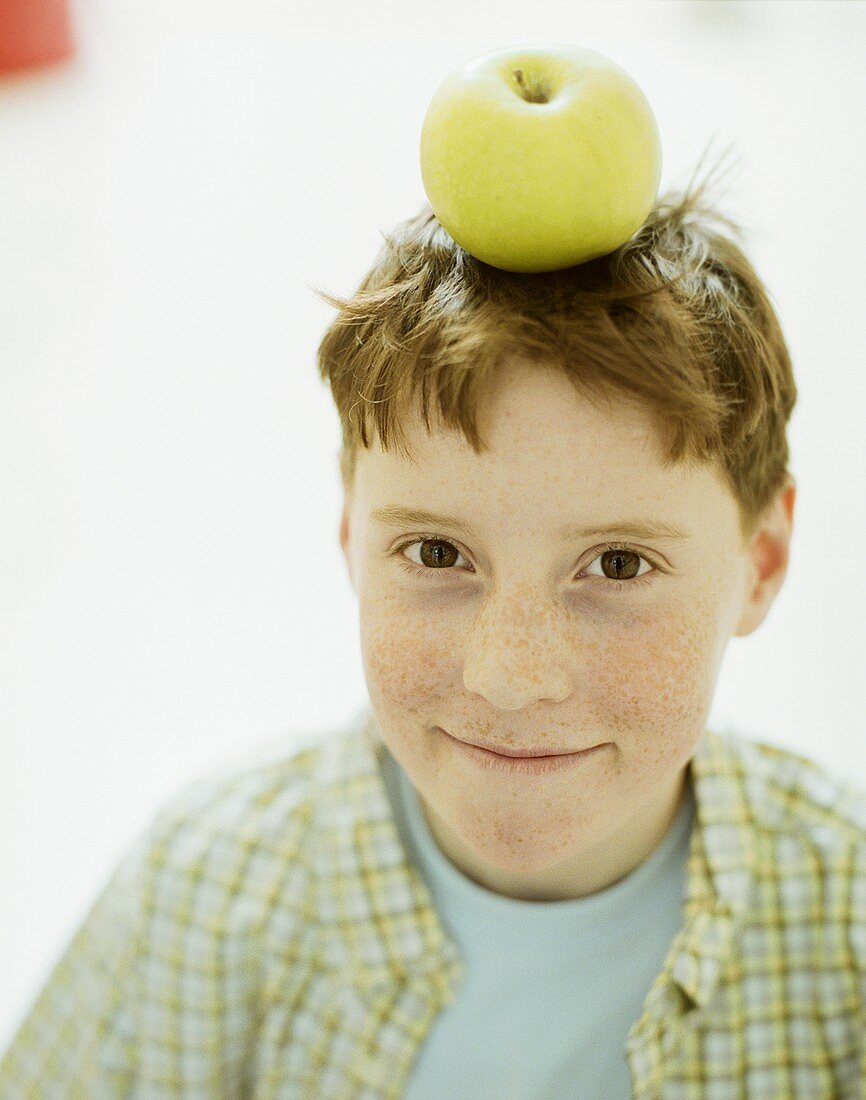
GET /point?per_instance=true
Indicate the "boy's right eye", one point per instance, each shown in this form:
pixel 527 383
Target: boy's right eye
pixel 440 554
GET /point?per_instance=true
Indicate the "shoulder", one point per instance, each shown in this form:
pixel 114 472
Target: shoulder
pixel 236 840
pixel 798 825
pixel 791 793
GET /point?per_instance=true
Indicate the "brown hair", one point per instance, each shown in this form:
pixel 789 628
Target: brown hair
pixel 676 319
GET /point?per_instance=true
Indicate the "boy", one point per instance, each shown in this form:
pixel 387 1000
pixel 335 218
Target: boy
pixel 528 870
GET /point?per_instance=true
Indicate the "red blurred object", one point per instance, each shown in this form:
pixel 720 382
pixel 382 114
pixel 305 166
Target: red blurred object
pixel 33 33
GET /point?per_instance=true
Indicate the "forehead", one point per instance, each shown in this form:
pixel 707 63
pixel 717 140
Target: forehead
pixel 549 449
pixel 532 409
pixel 539 410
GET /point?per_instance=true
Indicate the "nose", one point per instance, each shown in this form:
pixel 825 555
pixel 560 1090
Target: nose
pixel 515 658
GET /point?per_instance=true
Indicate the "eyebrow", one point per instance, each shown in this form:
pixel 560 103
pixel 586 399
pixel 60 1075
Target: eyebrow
pixel 393 515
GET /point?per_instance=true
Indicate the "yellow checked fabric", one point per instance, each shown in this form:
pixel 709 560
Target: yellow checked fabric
pixel 267 937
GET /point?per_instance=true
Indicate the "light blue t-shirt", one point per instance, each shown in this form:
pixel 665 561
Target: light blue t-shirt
pixel 551 989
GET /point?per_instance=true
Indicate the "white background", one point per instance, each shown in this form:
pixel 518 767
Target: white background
pixel 172 591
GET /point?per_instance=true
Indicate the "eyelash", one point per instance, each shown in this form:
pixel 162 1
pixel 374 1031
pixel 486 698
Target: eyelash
pixel 427 573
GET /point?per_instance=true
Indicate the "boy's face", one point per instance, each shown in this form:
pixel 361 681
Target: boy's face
pixel 516 635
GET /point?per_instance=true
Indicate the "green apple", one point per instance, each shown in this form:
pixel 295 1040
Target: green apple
pixel 540 157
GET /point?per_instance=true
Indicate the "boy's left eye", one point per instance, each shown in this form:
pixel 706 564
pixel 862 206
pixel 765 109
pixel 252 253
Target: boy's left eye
pixel 618 558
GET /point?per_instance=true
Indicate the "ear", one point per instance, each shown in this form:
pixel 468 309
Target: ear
pixel 768 554
pixel 349 484
pixel 344 539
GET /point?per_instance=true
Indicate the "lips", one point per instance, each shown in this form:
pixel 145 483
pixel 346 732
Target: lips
pixel 521 754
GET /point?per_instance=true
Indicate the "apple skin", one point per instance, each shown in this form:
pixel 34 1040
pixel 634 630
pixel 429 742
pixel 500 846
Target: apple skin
pixel 532 186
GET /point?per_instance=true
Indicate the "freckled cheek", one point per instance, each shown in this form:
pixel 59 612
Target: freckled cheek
pixel 405 664
pixel 653 688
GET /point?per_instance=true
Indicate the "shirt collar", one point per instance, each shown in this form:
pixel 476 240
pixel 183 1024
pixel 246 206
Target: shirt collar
pixel 397 933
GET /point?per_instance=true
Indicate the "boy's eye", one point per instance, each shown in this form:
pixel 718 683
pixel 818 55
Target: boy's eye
pixel 620 565
pixel 434 553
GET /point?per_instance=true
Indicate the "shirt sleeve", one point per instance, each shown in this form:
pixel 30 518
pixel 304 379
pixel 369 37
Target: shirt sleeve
pixel 78 1038
pixel 160 993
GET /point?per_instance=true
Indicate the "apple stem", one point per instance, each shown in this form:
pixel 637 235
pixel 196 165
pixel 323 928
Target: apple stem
pixel 531 95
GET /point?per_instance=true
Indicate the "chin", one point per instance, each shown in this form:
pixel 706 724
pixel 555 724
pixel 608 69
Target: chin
pixel 514 844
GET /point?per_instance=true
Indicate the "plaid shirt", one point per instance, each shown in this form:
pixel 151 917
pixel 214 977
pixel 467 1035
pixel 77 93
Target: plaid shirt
pixel 266 936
